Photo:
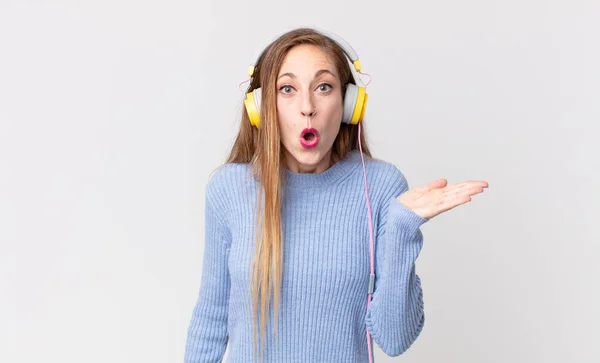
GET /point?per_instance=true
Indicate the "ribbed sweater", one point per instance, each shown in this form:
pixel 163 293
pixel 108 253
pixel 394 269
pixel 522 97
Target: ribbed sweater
pixel 326 265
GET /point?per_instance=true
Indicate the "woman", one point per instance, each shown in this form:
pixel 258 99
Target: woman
pixel 296 245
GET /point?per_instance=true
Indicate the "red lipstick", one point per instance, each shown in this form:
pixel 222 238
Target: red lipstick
pixel 309 138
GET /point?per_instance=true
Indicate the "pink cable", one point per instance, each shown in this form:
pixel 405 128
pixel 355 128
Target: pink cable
pixel 241 83
pixel 371 242
pixel 367 74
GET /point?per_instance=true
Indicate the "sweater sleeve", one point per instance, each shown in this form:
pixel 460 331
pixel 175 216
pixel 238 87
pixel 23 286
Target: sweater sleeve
pixel 396 315
pixel 207 333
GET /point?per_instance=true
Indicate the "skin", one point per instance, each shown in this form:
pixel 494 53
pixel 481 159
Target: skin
pixel 307 99
pixel 437 197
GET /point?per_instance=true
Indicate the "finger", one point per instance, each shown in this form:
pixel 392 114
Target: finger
pixel 468 191
pixel 465 185
pixel 460 194
pixel 482 183
pixel 452 201
pixel 460 197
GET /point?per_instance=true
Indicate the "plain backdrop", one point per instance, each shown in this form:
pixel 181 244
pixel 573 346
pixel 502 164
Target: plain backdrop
pixel 114 113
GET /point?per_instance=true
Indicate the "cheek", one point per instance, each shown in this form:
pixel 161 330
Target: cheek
pixel 286 121
pixel 283 114
pixel 333 128
pixel 334 113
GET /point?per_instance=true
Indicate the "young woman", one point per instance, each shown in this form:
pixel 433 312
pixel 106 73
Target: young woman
pixel 308 237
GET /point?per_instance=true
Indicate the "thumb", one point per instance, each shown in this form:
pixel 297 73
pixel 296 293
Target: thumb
pixel 439 183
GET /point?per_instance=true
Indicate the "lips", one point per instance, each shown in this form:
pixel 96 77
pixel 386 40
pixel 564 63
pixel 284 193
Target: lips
pixel 309 138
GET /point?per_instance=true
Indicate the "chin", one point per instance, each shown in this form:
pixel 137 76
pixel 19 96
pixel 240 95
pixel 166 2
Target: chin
pixel 309 156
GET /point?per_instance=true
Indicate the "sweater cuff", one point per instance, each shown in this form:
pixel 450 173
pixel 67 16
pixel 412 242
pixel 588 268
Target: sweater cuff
pixel 400 215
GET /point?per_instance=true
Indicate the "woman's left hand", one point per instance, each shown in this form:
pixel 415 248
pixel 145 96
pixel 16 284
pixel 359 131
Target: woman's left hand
pixel 434 198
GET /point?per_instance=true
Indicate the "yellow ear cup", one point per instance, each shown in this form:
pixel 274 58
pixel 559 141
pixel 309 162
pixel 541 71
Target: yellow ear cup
pixel 359 108
pixel 364 107
pixel 251 109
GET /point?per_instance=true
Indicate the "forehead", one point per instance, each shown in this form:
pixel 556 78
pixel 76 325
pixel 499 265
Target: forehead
pixel 307 58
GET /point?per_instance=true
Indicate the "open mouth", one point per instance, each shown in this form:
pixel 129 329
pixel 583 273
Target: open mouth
pixel 309 138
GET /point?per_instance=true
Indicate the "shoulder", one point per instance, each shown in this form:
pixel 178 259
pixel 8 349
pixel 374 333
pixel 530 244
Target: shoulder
pixel 226 180
pixel 386 183
pixel 227 175
pixel 386 176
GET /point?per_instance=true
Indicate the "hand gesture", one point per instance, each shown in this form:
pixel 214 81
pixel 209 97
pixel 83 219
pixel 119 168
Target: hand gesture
pixel 434 198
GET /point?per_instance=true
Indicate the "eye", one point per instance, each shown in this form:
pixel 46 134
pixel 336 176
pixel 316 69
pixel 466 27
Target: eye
pixel 286 87
pixel 325 85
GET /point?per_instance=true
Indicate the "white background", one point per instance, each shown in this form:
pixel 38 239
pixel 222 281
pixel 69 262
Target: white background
pixel 113 114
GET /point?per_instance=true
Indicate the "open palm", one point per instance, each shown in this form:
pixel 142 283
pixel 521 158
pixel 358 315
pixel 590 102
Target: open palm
pixel 437 197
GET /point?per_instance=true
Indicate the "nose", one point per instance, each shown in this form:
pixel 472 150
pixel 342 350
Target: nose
pixel 308 106
pixel 310 113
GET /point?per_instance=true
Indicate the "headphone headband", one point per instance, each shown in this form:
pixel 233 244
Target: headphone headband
pixel 346 48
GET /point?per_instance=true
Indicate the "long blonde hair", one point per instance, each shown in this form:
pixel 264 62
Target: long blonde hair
pixel 261 147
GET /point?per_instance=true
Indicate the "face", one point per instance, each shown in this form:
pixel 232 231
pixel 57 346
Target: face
pixel 309 108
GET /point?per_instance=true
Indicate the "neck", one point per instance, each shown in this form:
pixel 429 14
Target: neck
pixel 331 176
pixel 294 166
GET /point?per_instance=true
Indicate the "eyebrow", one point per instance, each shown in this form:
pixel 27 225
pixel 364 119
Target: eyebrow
pixel 318 73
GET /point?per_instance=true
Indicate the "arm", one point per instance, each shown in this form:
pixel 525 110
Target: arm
pixel 207 332
pixel 396 316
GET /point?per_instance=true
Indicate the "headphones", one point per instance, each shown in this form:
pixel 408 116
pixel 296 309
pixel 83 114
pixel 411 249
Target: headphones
pixel 355 98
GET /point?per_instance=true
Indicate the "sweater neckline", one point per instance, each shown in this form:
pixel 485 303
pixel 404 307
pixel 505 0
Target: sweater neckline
pixel 329 177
